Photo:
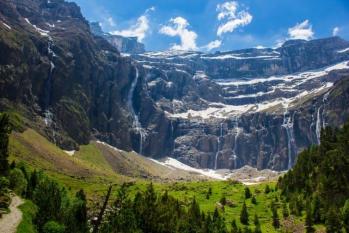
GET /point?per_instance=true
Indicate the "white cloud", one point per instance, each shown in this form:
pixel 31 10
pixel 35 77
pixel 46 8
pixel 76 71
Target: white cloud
pixel 233 18
pixel 179 27
pixel 139 29
pixel 335 31
pixel 260 47
pixel 213 45
pixel 111 21
pixel 303 31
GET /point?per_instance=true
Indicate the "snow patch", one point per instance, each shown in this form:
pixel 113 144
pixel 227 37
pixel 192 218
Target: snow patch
pixel 107 145
pixel 70 153
pixel 42 32
pixel 6 25
pixel 343 50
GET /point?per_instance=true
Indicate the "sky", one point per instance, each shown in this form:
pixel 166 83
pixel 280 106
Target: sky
pixel 218 25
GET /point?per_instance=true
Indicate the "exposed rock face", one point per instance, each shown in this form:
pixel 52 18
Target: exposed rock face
pixel 256 107
pixel 71 84
pixel 220 122
pixel 123 44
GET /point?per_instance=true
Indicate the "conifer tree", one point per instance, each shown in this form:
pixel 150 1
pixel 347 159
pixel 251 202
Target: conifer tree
pixel 5 130
pixel 333 221
pixel 345 214
pixel 285 211
pixel 309 220
pixel 254 200
pixel 276 221
pixel 244 215
pixel 234 227
pixel 247 193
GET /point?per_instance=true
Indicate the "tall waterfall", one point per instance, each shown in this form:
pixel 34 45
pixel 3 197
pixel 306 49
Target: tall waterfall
pixel 237 132
pixel 219 142
pixel 318 125
pixel 136 123
pixel 288 123
pixel 320 118
pixel 48 84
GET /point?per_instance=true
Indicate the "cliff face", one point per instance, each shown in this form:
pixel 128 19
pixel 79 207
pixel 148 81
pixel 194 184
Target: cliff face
pixel 256 106
pixel 71 84
pixel 218 121
pixel 128 45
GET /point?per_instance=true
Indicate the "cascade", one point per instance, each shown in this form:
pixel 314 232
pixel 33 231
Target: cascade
pixel 320 118
pixel 136 123
pixel 48 84
pixel 288 123
pixel 237 132
pixel 219 140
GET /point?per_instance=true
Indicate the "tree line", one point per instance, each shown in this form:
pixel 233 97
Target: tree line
pixel 319 182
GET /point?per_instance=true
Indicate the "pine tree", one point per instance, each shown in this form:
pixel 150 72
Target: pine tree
pixel 244 215
pixel 254 200
pixel 276 221
pixel 247 193
pixel 285 211
pixel 333 221
pixel 315 209
pixel 309 220
pixel 5 130
pixel 267 189
pixel 257 224
pixel 345 214
pixel 234 227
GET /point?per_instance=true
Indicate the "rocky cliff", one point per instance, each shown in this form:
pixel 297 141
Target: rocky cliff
pixel 258 107
pixel 71 85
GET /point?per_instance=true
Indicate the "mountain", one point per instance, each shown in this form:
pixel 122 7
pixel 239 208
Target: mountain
pixel 257 107
pixel 128 45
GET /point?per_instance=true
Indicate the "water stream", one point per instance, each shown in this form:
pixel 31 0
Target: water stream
pixel 288 123
pixel 219 142
pixel 136 123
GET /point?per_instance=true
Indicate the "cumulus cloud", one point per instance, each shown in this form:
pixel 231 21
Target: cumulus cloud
pixel 228 12
pixel 303 31
pixel 213 45
pixel 139 29
pixel 335 31
pixel 179 27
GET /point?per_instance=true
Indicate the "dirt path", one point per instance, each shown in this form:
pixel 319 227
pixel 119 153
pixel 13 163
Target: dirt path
pixel 9 222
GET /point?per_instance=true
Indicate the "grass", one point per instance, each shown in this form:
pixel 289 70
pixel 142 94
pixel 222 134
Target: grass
pixel 234 192
pixel 29 210
pixel 93 168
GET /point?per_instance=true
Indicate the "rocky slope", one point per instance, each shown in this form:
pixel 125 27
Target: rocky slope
pixel 256 107
pixel 71 85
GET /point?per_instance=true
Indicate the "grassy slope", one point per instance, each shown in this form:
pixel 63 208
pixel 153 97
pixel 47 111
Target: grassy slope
pixel 91 169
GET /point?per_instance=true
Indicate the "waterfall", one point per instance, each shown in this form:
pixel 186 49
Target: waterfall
pixel 48 84
pixel 237 132
pixel 318 125
pixel 136 123
pixel 320 118
pixel 288 123
pixel 172 135
pixel 218 145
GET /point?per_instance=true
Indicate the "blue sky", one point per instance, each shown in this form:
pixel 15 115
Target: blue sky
pixel 210 25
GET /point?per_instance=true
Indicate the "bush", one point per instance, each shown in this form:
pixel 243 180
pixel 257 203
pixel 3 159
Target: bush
pixel 4 184
pixel 53 227
pixel 18 183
